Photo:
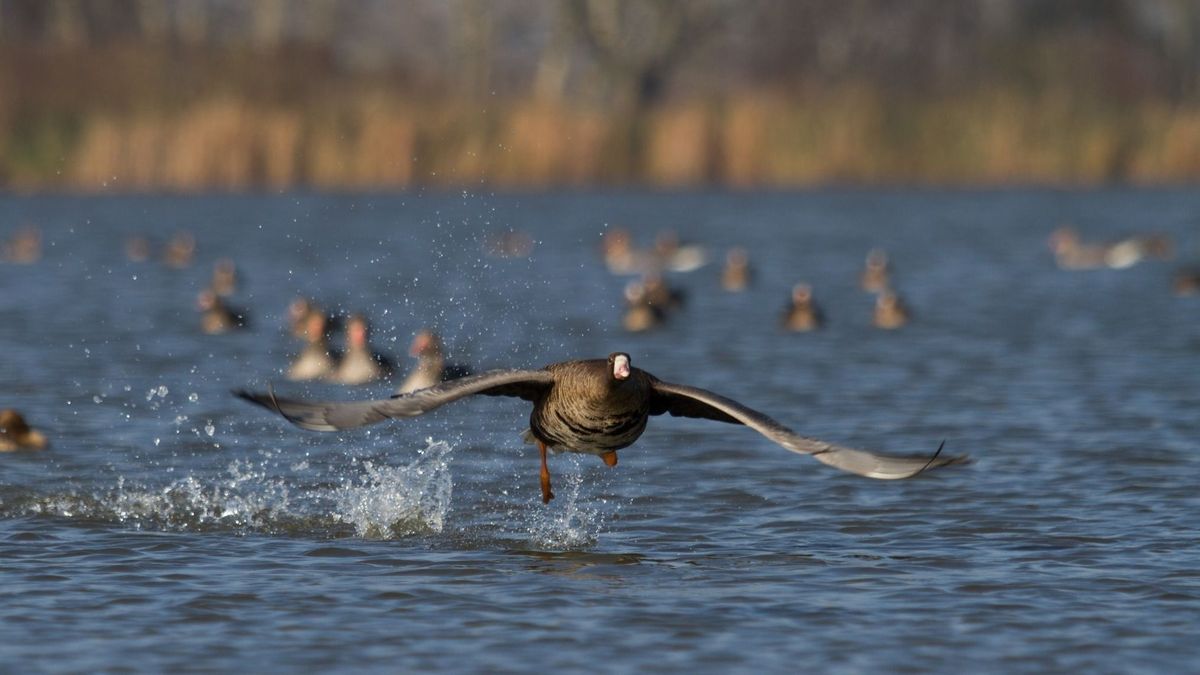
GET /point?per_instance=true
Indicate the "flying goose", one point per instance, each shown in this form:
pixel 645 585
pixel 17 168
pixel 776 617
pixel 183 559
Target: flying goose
pixel 594 406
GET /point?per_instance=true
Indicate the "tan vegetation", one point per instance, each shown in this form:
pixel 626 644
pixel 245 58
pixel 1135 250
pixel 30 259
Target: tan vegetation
pixel 122 95
pixel 852 136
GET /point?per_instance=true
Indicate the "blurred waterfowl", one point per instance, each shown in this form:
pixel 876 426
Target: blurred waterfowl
pixel 621 257
pixel 1072 253
pixel 429 350
pixel 217 317
pixel 661 294
pixel 1186 282
pixel 298 312
pixel 594 406
pixel 225 277
pixel 616 245
pixel 16 434
pixel 736 275
pixel 802 313
pixel 673 255
pixel 25 247
pixel 640 314
pixel 876 272
pixel 316 361
pixel 137 249
pixel 179 251
pixel 359 364
pixel 510 244
pixel 890 311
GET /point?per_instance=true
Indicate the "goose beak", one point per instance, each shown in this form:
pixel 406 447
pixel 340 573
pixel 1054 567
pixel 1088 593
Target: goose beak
pixel 621 367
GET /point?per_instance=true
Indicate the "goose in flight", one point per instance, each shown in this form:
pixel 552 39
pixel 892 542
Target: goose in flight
pixel 595 406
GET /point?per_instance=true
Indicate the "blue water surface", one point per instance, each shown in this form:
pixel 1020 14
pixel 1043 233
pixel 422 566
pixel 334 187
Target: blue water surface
pixel 171 527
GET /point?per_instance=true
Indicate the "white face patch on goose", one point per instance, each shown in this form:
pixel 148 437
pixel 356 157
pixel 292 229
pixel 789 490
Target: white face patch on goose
pixel 620 366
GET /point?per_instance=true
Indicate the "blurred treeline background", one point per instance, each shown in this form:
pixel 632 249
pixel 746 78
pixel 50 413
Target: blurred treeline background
pixel 269 94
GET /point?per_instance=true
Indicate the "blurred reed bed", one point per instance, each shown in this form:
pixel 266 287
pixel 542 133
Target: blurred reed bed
pixel 852 134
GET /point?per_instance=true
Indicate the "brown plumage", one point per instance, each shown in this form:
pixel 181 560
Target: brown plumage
pixel 596 407
pixel 217 317
pixel 16 434
pixel 429 350
pixel 802 314
pixel 317 361
pixel 360 364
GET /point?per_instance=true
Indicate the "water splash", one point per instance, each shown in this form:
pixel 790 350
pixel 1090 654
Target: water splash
pixel 381 502
pixel 399 501
pixel 247 500
pixel 569 525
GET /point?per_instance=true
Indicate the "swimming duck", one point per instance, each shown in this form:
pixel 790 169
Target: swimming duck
pixel 594 406
pixel 1071 253
pixel 890 311
pixel 1186 282
pixel 25 247
pixel 15 433
pixel 673 255
pixel 640 314
pixel 661 294
pixel 359 364
pixel 736 275
pixel 137 248
pixel 509 244
pixel 802 314
pixel 430 352
pixel 225 277
pixel 215 316
pixel 668 253
pixel 876 272
pixel 179 250
pixel 317 361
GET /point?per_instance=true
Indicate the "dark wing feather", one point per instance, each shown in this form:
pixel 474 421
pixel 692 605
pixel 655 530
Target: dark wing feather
pixel 334 415
pixel 681 400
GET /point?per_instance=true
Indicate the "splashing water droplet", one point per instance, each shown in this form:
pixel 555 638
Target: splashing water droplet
pixel 398 501
pixel 569 525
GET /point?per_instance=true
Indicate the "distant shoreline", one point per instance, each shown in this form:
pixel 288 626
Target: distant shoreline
pixel 380 141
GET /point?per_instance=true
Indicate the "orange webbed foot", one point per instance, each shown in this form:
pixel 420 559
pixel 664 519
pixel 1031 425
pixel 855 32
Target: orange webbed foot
pixel 610 458
pixel 547 495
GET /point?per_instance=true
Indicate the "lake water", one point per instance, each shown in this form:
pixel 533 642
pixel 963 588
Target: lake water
pixel 171 527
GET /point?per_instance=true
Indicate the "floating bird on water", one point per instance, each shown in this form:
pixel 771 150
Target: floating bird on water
pixel 596 407
pixel 360 364
pixel 15 433
pixel 317 360
pixel 24 248
pixel 736 275
pixel 668 253
pixel 225 277
pixel 1186 282
pixel 640 314
pixel 217 317
pixel 890 311
pixel 137 248
pixel 876 272
pixel 179 250
pixel 1072 253
pixel 802 313
pixel 430 352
